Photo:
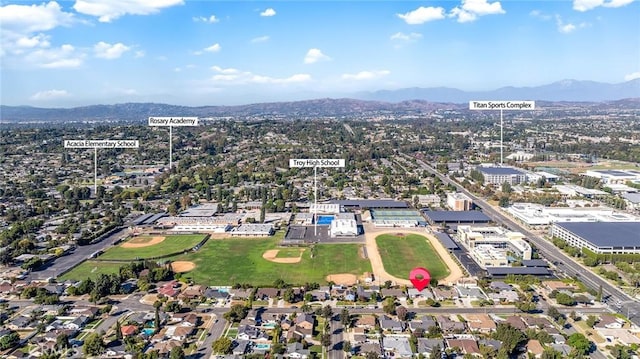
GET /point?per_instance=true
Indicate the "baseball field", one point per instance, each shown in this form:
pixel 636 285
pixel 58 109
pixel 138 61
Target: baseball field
pixel 402 252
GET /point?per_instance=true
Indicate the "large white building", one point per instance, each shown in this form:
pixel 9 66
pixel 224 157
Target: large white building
pixel 343 228
pixel 600 237
pixel 488 245
pixel 615 176
pixel 499 175
pixel 195 224
pixel 538 215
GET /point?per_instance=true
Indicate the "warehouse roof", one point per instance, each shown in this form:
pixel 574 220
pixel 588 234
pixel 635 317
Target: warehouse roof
pixel 606 234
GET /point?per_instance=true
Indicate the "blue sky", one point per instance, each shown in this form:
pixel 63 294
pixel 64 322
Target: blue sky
pixel 82 52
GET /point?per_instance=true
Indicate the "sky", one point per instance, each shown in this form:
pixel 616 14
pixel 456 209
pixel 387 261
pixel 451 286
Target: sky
pixel 84 52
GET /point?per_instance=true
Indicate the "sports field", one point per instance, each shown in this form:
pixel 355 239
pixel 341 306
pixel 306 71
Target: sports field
pixel 91 269
pixel 238 260
pixel 400 254
pixel 170 244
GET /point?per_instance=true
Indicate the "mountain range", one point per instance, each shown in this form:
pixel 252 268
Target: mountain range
pixel 410 100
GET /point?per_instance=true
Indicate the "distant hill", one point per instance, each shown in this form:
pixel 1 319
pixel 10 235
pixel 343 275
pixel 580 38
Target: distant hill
pixel 413 101
pixel 566 90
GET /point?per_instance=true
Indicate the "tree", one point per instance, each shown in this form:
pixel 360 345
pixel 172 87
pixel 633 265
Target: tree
pixel 389 306
pixel 621 352
pixel 327 311
pixel 118 330
pixel 176 353
pixel 346 346
pixel 554 313
pixel 62 341
pixel 579 343
pixel 288 295
pixel 222 345
pixel 591 321
pixel 550 353
pixel 94 345
pixel 565 299
pixel 9 340
pixel 402 313
pixel 509 336
pixel 345 317
pixel 237 313
pixel 325 340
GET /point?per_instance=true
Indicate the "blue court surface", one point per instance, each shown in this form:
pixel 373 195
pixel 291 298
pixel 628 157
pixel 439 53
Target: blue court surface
pixel 325 220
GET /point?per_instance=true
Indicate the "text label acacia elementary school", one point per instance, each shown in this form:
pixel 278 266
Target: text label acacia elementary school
pixel 101 143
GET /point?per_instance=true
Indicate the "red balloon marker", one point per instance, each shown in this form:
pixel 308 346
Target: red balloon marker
pixel 419 283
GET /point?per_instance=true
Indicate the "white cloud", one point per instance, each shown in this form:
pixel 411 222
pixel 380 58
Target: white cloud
pixel 567 28
pixel 139 54
pixel 540 15
pixel 225 71
pixel 586 5
pixel 39 40
pixel 109 10
pixel 211 19
pixel 315 55
pixel 470 10
pixel 213 48
pixel 49 95
pixel 400 36
pixel 65 56
pixel 108 51
pixel 260 39
pixel 268 12
pixel 366 75
pixel 236 77
pixel 632 76
pixel 32 18
pixel 422 15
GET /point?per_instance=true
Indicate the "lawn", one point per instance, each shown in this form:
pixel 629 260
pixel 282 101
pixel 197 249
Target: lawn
pixel 288 253
pixel 91 269
pixel 171 244
pixel 400 254
pixel 238 260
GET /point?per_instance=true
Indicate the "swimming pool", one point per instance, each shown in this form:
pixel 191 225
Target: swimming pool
pixel 324 220
pixel 148 331
pixel 263 346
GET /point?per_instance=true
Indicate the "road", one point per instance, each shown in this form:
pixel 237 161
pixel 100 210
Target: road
pixel 337 331
pixel 548 250
pixel 81 253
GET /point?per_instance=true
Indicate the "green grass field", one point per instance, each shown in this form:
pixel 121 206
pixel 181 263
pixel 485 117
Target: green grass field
pixel 171 244
pixel 238 260
pixel 91 269
pixel 401 254
pixel 288 253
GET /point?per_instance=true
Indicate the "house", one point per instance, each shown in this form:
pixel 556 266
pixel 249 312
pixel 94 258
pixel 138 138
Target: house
pixel 240 294
pixel 500 286
pixel 77 323
pixel 622 336
pixel 116 348
pixel 187 319
pixel 390 324
pixel 424 323
pixel 491 343
pixel 369 347
pixel 443 293
pixel 254 316
pixel 470 292
pixel 300 332
pixel 480 323
pixel 296 350
pixel 320 295
pixel 608 321
pixel 21 323
pixel 128 330
pixel 192 292
pixel 516 322
pixel 359 335
pixel 465 346
pixel 266 293
pixel 90 312
pixel 305 320
pixel 178 332
pixel 397 347
pixel 417 294
pixel 557 285
pixel 564 349
pixel 427 346
pixel 534 347
pixel 216 294
pixel 449 326
pixel 392 292
pixel 508 296
pixel 240 347
pixel 247 332
pixel 271 318
pixel 366 321
pixel 164 347
pixel 536 322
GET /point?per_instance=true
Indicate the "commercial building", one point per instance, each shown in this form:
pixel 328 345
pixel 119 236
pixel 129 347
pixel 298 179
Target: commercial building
pixel 194 224
pixel 499 175
pixel 253 230
pixel 426 200
pixel 324 208
pixel 534 214
pixel 343 228
pixel 490 246
pixel 615 176
pixel 600 237
pixel 457 201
